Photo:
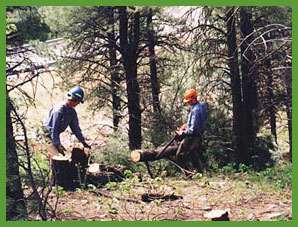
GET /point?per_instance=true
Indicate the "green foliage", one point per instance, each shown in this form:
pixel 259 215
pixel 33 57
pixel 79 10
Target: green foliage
pixel 40 169
pixel 111 186
pixel 242 168
pixel 197 176
pixel 128 173
pixel 57 18
pixel 229 168
pixel 30 25
pixel 155 133
pixel 217 142
pixel 261 154
pixel 60 190
pixel 116 152
pixel 281 176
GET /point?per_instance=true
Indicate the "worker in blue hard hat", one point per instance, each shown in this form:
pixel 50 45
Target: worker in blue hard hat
pixel 63 115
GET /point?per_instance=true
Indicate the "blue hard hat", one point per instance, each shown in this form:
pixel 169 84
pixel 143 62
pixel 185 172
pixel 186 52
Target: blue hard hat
pixel 77 94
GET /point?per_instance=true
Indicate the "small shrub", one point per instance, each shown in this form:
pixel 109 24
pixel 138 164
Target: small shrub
pixel 280 176
pixel 116 152
pixel 197 176
pixel 228 169
pixel 261 154
pixel 111 186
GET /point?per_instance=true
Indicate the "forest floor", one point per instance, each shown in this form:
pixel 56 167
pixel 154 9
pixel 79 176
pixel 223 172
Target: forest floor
pixel 175 199
pixel 136 198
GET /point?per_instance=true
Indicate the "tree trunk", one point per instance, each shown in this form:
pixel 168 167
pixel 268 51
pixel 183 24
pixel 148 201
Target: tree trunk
pixel 270 97
pixel 289 104
pixel 150 155
pixel 248 81
pixel 15 204
pixel 115 78
pixel 233 64
pixel 129 51
pixel 153 71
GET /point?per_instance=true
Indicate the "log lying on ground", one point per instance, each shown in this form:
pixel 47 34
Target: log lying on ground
pixel 150 155
pixel 99 174
pixel 148 197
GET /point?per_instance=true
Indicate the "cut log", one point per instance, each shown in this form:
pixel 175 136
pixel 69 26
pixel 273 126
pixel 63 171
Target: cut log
pixel 151 155
pixel 99 174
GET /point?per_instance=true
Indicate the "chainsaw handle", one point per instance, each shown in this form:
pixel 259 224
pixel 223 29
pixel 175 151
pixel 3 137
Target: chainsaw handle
pixel 163 150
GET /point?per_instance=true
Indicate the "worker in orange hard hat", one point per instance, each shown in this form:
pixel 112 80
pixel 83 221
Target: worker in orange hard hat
pixel 190 134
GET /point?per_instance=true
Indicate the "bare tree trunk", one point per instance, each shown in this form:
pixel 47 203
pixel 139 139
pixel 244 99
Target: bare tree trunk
pixel 270 97
pixel 236 85
pixel 115 78
pixel 15 204
pixel 153 71
pixel 129 51
pixel 248 82
pixel 289 104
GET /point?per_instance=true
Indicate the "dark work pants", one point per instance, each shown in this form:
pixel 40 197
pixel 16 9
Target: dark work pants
pixel 191 148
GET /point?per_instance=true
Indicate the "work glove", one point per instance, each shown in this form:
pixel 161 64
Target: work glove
pixel 86 145
pixel 183 127
pixel 180 137
pixel 61 149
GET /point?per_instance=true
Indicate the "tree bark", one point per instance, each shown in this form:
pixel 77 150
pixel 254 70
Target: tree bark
pixel 129 51
pixel 233 64
pixel 153 70
pixel 249 92
pixel 150 155
pixel 115 78
pixel 289 103
pixel 15 203
pixel 270 97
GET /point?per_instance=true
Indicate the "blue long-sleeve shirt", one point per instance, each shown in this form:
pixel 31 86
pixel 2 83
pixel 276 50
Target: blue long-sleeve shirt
pixel 196 119
pixel 58 119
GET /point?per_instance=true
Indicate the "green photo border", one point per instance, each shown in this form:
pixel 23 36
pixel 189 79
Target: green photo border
pixel 3 3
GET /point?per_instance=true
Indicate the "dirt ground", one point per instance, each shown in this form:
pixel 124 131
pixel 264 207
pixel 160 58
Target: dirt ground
pixel 175 200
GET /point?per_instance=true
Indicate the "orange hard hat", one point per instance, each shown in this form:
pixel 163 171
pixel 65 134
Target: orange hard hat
pixel 189 95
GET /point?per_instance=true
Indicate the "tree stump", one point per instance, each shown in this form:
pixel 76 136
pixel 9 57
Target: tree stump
pixel 151 155
pixel 63 171
pixel 80 158
pixel 69 171
pixel 72 170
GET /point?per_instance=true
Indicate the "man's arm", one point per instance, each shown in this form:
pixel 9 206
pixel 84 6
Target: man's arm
pixel 75 128
pixel 54 132
pixel 192 125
